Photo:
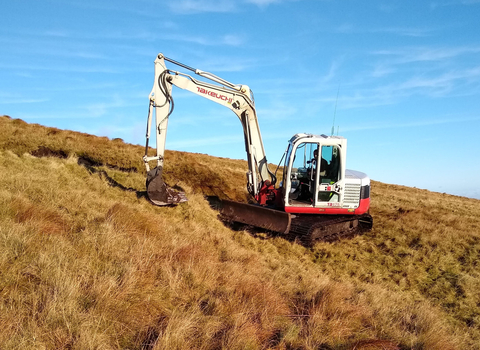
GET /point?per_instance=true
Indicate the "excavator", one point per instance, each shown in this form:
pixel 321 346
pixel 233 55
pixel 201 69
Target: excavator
pixel 318 198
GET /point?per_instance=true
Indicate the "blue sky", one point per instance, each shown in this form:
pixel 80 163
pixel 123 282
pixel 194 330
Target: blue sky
pixel 399 79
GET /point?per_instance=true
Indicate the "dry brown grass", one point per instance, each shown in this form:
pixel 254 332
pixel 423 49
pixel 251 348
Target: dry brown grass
pixel 88 263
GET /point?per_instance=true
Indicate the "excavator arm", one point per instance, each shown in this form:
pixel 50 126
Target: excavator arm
pixel 237 98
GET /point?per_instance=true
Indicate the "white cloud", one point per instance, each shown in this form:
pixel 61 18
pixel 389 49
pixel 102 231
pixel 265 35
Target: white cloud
pixel 20 100
pixel 437 4
pixel 413 124
pixel 388 7
pixel 217 65
pixel 281 111
pixel 226 39
pixel 443 83
pixel 426 71
pixel 209 141
pixel 263 3
pixel 57 68
pixel 233 40
pixel 345 28
pixel 349 28
pixel 381 70
pixel 407 31
pixel 199 6
pixel 103 108
pixel 426 54
pixel 58 33
pixel 219 6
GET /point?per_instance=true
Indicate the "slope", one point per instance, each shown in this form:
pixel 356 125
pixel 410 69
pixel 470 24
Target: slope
pixel 88 263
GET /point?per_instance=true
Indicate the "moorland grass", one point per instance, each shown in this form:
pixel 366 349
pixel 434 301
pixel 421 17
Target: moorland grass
pixel 87 263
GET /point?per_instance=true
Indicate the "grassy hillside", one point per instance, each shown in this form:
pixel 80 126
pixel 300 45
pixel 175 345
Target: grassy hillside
pixel 87 263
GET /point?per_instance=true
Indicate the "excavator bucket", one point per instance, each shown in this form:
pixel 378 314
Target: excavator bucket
pixel 159 193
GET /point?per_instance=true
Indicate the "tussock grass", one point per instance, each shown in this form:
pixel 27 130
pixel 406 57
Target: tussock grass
pixel 86 262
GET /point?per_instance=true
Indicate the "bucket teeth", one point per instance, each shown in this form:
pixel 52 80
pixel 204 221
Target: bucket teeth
pixel 159 193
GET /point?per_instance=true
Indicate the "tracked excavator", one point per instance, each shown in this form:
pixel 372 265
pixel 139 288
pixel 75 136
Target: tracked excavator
pixel 318 198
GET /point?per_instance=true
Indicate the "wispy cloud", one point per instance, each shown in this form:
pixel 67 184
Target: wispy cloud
pixel 219 6
pixel 233 39
pixel 208 141
pixel 104 108
pixel 62 68
pixel 56 33
pixel 217 64
pixel 382 70
pixel 436 4
pixel 281 111
pixel 387 78
pixel 210 40
pixel 20 100
pixel 412 124
pixel 443 83
pixel 331 73
pixel 423 71
pixel 426 54
pixel 382 93
pixel 7 98
pixel 198 6
pixel 263 3
pixel 349 28
pixel 364 98
pixel 388 7
pixel 407 31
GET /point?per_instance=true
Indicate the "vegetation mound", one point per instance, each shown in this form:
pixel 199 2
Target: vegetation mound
pixel 87 263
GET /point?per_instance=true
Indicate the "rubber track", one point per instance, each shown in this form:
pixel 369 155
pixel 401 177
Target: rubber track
pixel 309 229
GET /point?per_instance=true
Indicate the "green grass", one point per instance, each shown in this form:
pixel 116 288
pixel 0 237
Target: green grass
pixel 87 263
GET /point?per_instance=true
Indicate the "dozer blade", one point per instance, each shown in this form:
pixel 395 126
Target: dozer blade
pixel 159 193
pixel 255 215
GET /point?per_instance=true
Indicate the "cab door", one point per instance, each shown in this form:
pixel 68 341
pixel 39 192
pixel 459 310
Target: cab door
pixel 329 180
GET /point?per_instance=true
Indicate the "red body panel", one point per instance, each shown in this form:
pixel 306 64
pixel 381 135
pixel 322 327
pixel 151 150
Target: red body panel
pixel 362 209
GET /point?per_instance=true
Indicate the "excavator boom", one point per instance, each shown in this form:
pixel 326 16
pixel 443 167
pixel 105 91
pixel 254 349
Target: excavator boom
pixel 237 98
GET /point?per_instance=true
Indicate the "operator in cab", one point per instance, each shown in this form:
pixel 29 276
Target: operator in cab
pixel 323 163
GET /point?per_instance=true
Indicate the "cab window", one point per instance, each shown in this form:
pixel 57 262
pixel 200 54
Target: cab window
pixel 330 164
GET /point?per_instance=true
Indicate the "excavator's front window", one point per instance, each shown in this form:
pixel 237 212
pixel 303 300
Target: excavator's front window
pixel 302 173
pixel 314 173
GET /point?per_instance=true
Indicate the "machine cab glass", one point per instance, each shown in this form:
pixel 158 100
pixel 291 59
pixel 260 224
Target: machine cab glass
pixel 313 172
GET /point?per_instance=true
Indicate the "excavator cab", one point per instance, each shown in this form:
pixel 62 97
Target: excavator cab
pixel 315 172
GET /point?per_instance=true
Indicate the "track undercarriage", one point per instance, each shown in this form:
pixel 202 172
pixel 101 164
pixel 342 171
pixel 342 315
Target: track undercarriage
pixel 305 228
